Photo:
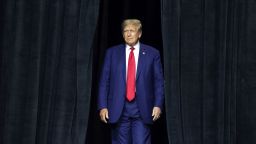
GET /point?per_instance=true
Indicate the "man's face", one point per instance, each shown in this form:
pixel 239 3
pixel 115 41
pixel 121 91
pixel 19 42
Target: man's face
pixel 131 34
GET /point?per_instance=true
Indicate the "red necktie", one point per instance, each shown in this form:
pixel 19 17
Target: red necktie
pixel 130 85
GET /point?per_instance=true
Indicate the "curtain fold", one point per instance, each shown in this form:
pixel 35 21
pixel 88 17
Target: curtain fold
pixel 209 70
pixel 46 58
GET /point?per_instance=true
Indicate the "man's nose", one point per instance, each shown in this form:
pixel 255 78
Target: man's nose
pixel 129 33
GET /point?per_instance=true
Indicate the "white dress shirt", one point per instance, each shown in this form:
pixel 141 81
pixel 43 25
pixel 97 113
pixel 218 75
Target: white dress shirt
pixel 136 55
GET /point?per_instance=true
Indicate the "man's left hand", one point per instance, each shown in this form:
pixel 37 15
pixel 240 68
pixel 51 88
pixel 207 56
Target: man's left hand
pixel 156 113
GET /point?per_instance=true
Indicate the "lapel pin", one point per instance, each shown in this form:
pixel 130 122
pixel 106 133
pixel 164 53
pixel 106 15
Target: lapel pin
pixel 143 53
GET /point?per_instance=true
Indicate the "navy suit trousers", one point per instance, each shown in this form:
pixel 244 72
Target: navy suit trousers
pixel 130 128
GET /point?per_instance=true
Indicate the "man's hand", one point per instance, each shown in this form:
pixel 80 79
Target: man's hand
pixel 104 115
pixel 156 113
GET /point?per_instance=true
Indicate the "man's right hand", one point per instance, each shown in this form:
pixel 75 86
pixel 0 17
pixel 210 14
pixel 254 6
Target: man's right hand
pixel 104 115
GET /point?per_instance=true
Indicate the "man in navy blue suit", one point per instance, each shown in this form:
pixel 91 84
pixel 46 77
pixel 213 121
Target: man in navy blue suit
pixel 131 88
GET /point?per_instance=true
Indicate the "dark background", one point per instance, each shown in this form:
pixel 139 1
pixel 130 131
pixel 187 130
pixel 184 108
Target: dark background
pixel 109 33
pixel 51 52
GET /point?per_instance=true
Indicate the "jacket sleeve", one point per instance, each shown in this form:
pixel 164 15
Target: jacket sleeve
pixel 158 82
pixel 103 89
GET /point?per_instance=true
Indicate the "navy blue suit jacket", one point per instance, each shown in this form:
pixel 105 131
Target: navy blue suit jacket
pixel 149 82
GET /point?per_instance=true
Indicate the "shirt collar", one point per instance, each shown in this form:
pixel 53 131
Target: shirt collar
pixel 136 46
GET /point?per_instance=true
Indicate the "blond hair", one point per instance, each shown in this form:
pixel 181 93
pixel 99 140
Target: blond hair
pixel 134 22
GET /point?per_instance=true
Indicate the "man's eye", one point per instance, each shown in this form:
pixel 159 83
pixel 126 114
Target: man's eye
pixel 129 31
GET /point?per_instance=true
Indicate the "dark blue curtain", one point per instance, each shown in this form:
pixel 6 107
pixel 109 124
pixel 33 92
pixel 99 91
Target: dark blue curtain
pixel 45 70
pixel 210 70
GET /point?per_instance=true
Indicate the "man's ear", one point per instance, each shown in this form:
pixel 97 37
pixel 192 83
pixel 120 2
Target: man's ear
pixel 140 34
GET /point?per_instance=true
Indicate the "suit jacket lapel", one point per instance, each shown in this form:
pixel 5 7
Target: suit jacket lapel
pixel 123 62
pixel 141 60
